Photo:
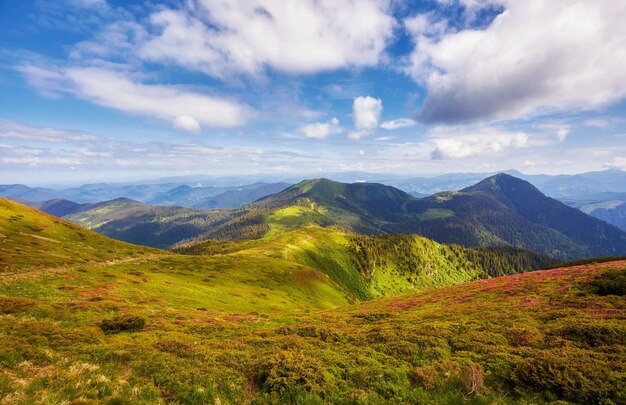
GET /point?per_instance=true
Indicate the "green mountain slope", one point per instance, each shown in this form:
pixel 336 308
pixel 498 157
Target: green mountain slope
pixel 43 256
pixel 499 211
pixel 344 267
pixel 33 239
pixel 375 266
pixel 253 322
pixel 504 209
pixel 135 222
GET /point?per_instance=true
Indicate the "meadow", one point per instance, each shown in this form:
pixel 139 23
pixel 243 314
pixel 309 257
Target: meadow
pixel 259 323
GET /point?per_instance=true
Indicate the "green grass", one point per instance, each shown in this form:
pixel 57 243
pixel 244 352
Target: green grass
pixel 435 213
pixel 257 322
pixel 532 338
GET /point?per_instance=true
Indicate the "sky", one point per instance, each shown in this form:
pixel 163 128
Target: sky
pixel 94 90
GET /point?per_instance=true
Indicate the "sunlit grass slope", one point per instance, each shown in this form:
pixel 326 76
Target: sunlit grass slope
pixel 30 238
pixel 43 257
pixel 374 266
pixel 531 338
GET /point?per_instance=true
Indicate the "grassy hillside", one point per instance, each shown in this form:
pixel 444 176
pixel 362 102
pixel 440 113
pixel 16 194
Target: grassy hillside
pixel 30 238
pixel 376 266
pixel 157 333
pixel 48 256
pixel 85 319
pixel 157 226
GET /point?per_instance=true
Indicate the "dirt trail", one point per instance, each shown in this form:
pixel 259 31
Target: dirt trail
pixel 8 278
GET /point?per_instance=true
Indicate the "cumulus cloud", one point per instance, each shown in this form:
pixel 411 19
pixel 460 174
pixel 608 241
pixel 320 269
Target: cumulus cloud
pixel 534 57
pixel 455 143
pixel 320 130
pixel 185 109
pixel 399 123
pixel 294 36
pixel 366 112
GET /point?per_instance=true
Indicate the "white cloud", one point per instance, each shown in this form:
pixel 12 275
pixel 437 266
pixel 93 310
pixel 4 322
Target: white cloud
pixel 618 163
pixel 320 130
pixel 536 56
pixel 597 123
pixel 560 130
pixel 47 81
pixel 16 131
pixel 358 134
pixel 294 36
pixel 562 134
pixel 399 123
pixel 366 112
pixel 459 142
pixel 184 109
pixel 186 123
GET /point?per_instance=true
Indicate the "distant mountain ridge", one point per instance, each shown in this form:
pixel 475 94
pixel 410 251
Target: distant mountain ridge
pixel 594 190
pixel 500 210
pixel 176 194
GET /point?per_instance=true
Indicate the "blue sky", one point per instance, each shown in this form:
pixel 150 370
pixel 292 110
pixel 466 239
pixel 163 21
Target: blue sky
pixel 103 89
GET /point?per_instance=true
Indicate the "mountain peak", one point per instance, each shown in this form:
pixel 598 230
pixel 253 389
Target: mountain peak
pixel 503 183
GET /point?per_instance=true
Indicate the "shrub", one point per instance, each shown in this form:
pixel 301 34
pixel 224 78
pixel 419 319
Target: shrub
pixel 437 375
pixel 594 335
pixel 372 316
pixel 612 282
pixel 471 377
pixel 291 370
pixel 123 323
pixel 14 305
pixel 323 334
pixel 175 347
pixel 465 376
pixel 569 376
pixel 524 336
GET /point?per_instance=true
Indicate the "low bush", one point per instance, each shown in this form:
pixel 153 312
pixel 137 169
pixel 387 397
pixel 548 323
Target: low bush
pixel 612 282
pixel 372 316
pixel 123 323
pixel 13 305
pixel 570 376
pixel 175 347
pixel 461 376
pixel 292 370
pixel 595 334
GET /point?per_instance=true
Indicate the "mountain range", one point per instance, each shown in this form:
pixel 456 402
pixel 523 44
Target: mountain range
pixel 600 191
pixel 192 195
pixel 160 190
pixel 499 211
